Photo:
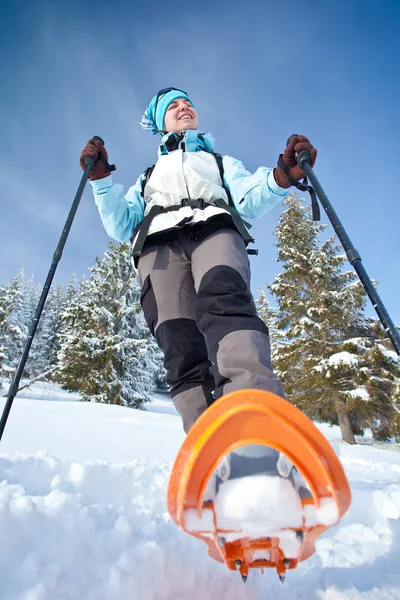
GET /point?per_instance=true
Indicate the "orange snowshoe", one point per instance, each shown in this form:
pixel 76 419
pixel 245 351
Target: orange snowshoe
pixel 265 519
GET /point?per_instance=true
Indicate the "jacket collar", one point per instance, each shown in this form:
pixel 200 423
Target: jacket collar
pixel 188 141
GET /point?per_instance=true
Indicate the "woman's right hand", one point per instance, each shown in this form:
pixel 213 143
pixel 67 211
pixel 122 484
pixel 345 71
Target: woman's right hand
pixel 94 149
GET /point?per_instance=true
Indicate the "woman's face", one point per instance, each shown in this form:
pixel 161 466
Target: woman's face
pixel 180 115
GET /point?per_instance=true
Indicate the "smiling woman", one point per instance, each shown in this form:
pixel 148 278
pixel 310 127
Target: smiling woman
pixel 180 115
pixel 184 218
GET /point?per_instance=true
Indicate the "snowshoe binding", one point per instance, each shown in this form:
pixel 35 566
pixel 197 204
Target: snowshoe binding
pixel 257 482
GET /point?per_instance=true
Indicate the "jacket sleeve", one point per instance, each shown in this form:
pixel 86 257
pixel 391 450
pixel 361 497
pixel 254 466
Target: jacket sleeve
pixel 253 194
pixel 120 214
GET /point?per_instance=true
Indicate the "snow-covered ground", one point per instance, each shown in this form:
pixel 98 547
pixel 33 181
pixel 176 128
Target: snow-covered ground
pixel 83 513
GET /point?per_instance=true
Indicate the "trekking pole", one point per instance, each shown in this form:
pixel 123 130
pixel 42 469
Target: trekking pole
pixel 303 160
pixel 12 392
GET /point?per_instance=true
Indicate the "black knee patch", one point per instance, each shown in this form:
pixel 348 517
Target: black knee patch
pixel 185 355
pixel 224 304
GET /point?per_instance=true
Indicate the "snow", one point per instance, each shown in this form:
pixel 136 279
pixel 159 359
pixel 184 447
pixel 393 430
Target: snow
pixel 263 509
pixel 305 321
pixel 343 358
pixel 261 505
pixel 358 342
pixel 390 354
pixel 83 513
pixel 360 392
pixel 326 513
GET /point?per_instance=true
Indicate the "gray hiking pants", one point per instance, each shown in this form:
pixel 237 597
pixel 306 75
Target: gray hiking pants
pixel 197 302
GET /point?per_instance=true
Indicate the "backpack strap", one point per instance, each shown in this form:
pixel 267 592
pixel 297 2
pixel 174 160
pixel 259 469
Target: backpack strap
pixel 220 164
pixel 237 220
pixel 146 177
pixel 240 224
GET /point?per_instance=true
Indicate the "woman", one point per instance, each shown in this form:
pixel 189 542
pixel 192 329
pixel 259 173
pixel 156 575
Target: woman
pixel 184 217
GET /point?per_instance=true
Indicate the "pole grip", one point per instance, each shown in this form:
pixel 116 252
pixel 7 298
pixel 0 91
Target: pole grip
pixel 88 160
pixel 303 157
pixel 290 137
pixel 111 168
pixel 97 138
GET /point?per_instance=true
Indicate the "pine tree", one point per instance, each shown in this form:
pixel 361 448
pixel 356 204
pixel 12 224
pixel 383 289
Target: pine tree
pixel 269 315
pixel 71 290
pixel 3 332
pixel 321 314
pixel 19 315
pixel 46 345
pixel 381 381
pixel 104 346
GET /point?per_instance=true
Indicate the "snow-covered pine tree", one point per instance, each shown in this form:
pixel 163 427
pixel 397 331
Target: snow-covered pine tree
pixel 71 290
pixel 3 333
pixel 19 314
pixel 321 315
pixel 381 382
pixel 46 345
pixel 104 344
pixel 32 293
pixel 269 314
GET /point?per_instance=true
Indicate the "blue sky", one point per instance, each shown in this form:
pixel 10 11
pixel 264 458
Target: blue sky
pixel 257 72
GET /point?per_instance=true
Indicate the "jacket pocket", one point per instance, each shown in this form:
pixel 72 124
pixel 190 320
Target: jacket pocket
pixel 149 304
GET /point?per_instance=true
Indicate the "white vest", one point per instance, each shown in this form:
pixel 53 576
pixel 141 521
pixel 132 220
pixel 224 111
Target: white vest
pixel 183 175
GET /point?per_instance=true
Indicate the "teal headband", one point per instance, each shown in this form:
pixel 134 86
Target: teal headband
pixel 153 118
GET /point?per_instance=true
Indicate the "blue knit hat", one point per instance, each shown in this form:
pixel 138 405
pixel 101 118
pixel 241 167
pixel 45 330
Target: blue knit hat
pixel 153 118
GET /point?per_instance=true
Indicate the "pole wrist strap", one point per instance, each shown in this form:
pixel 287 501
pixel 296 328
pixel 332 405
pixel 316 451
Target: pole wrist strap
pixel 109 167
pixel 303 186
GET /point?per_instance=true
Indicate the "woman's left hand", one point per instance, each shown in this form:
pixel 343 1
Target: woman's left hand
pixel 296 144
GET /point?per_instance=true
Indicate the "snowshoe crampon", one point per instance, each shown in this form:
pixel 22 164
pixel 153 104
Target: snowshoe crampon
pixel 265 519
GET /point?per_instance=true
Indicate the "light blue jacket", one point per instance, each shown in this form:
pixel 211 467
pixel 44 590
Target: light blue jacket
pixel 253 194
